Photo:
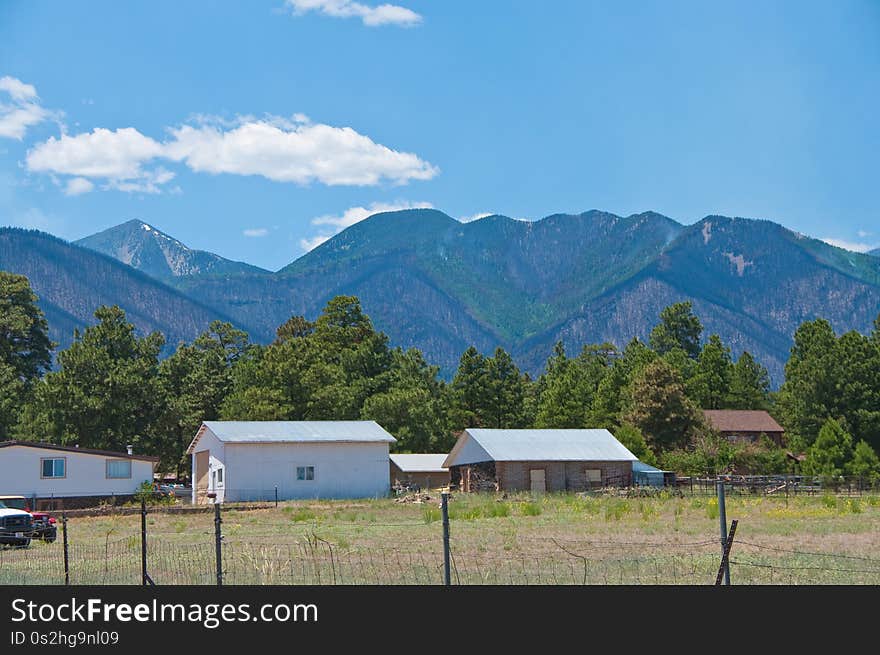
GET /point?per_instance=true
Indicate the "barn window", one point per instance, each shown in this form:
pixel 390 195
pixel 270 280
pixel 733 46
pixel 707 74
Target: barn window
pixel 53 467
pixel 118 469
pixel 305 472
pixel 593 475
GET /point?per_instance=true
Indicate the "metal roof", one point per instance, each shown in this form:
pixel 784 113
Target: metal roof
pixel 297 431
pixel 640 467
pixel 77 449
pixel 550 445
pixel 419 463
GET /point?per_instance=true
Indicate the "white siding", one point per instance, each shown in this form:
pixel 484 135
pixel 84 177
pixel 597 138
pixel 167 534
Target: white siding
pixel 342 470
pixel 216 460
pixel 86 474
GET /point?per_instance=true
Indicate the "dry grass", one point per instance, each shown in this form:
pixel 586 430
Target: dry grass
pixel 550 539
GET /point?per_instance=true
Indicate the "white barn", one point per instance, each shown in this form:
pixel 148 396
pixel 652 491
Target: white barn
pixel 248 460
pixel 49 471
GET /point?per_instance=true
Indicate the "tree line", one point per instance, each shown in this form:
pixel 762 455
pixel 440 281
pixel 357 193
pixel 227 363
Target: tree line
pixel 111 388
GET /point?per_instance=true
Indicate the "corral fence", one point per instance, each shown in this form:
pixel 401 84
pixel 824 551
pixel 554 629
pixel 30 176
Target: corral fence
pixel 263 546
pixel 778 485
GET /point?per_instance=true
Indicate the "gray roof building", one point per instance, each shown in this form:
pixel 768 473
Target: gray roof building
pixel 539 460
pixel 557 445
pixel 294 431
pixel 419 462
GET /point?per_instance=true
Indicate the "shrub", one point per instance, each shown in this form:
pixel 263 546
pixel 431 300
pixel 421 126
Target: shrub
pixel 531 508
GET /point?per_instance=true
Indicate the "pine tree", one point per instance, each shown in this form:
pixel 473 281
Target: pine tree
pixel 749 384
pixel 659 407
pixel 710 385
pixel 679 327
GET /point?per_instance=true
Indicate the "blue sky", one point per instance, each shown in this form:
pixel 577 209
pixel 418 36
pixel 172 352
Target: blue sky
pixel 254 129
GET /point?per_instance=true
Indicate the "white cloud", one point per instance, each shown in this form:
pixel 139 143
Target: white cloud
pixel 111 154
pixel 475 217
pixel 19 91
pixel 77 186
pixel 854 246
pixel 22 112
pixel 352 215
pixel 313 242
pixel 864 234
pixel 279 149
pixel 384 14
pixel 299 153
pixel 256 232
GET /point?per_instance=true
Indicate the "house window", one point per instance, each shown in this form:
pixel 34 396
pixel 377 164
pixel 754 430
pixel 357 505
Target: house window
pixel 220 475
pixel 305 472
pixel 53 467
pixel 593 475
pixel 118 469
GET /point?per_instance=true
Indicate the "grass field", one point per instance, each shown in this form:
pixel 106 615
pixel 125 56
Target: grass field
pixel 518 539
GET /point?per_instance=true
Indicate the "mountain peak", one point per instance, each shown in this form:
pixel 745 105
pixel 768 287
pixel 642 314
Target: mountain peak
pixel 150 250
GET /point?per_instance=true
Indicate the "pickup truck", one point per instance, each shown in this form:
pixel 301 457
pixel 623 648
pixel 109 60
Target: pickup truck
pixel 44 526
pixel 16 526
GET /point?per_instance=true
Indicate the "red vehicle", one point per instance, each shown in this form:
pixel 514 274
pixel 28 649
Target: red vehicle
pixel 43 524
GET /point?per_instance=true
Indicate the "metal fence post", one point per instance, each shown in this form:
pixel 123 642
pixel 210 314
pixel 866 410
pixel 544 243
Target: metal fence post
pixel 276 495
pixel 145 577
pixel 724 568
pixel 722 515
pixel 64 539
pixel 444 508
pixel 218 549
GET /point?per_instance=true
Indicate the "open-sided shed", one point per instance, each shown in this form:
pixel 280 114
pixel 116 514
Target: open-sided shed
pixel 538 460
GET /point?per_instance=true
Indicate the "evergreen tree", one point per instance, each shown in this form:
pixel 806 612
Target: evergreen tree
pixel 105 393
pixel 195 381
pixel 634 441
pixel 749 384
pixel 415 407
pixel 809 381
pixel 469 389
pixel 12 396
pixel 865 463
pixel 659 407
pixel 296 327
pixel 830 454
pixel 679 327
pixel 709 388
pixel 505 392
pixel 612 392
pixel 568 388
pixel 24 333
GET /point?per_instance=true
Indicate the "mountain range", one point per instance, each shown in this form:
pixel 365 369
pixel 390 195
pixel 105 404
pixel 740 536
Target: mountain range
pixel 435 283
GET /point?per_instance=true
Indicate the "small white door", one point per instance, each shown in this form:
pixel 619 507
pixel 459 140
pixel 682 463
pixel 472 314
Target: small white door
pixel 538 480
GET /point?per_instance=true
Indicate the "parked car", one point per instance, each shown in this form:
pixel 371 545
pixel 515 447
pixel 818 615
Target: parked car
pixel 16 526
pixel 44 525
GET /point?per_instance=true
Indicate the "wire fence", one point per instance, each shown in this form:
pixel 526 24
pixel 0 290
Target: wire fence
pixel 264 547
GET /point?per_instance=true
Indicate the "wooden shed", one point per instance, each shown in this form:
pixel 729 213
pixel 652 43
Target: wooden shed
pixel 538 460
pixel 425 471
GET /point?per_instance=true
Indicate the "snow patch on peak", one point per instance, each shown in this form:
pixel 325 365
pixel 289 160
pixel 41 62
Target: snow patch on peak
pixel 146 227
pixel 707 232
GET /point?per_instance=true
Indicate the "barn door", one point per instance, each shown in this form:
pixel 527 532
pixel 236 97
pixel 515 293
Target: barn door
pixel 538 479
pixel 201 481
